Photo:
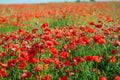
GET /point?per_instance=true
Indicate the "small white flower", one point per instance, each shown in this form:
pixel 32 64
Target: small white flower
pixel 28 46
pixel 75 60
pixel 13 49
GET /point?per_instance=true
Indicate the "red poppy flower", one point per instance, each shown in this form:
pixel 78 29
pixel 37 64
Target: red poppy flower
pixel 116 77
pixel 22 65
pixel 12 54
pixel 36 77
pixel 57 63
pixel 89 58
pixel 73 31
pixel 98 25
pixel 49 44
pixel 25 75
pixel 47 31
pixel 38 68
pixel 3 65
pixel 32 52
pixel 94 69
pixel 76 60
pixel 21 31
pixel 114 51
pixel 72 45
pixel 33 60
pixel 54 42
pixel 99 40
pixel 64 55
pixel 44 25
pixel 34 30
pixel 118 29
pixel 58 33
pixel 63 78
pixel 102 78
pixel 2 73
pixel 23 56
pixel 96 58
pixel 106 31
pixel 12 62
pixel 64 48
pixel 13 36
pixel 109 19
pixel 23 48
pixel 53 51
pixel 117 43
pixel 66 63
pixel 91 23
pixel 112 59
pixel 83 41
pixel 47 60
pixel 47 77
pixel 89 29
pixel 3 54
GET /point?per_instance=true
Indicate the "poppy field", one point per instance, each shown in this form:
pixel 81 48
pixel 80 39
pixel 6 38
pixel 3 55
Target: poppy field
pixel 60 41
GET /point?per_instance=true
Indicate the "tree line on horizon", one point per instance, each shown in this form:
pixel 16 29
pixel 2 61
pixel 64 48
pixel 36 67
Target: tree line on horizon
pixel 80 0
pixel 94 0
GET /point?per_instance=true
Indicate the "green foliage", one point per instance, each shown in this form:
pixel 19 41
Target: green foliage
pixel 77 0
pixel 92 0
